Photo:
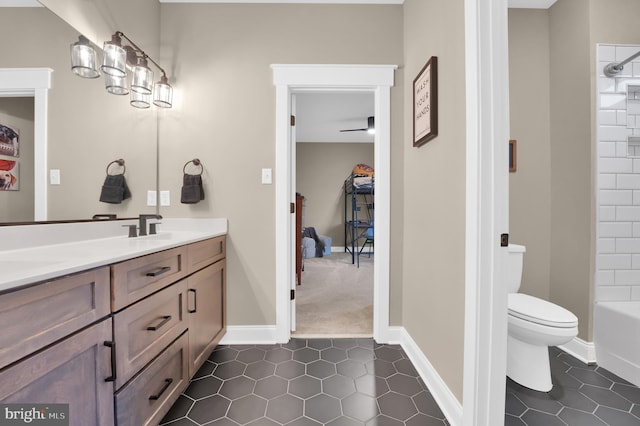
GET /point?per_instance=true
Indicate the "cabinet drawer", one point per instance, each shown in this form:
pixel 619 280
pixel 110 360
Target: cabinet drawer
pixel 150 395
pixel 54 310
pixel 136 278
pixel 144 329
pixel 70 372
pixel 204 253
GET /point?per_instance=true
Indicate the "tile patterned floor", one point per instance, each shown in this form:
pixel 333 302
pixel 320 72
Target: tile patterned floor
pixel 581 396
pixel 307 382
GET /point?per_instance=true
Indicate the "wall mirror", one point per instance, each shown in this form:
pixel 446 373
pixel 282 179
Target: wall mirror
pixel 86 127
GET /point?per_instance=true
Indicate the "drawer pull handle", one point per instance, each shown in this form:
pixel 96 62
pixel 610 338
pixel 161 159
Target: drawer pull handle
pixel 167 383
pixel 111 345
pixel 159 271
pixel 165 319
pixel 195 301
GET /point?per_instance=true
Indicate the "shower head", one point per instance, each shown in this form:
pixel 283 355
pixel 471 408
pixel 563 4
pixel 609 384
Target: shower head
pixel 614 68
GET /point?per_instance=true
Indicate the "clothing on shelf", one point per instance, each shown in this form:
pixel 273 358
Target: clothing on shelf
pixel 359 194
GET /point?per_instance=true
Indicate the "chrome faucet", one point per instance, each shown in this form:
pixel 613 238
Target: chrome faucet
pixel 143 223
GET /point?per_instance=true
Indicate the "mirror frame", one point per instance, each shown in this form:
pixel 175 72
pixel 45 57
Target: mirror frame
pixel 35 83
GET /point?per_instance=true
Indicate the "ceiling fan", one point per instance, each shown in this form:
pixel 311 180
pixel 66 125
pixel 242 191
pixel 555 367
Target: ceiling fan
pixel 370 127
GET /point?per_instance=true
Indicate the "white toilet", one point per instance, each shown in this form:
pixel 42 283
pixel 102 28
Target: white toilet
pixel 534 325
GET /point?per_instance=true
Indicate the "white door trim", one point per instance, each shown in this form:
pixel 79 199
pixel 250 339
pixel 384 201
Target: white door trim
pixel 289 79
pixel 33 82
pixel 487 211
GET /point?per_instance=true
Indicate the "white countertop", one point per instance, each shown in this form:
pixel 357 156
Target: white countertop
pixel 35 253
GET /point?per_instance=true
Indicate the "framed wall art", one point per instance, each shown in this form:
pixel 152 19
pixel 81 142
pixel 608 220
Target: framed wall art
pixel 425 103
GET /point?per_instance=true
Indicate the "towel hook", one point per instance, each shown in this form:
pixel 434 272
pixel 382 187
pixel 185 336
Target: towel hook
pixel 119 162
pixel 196 162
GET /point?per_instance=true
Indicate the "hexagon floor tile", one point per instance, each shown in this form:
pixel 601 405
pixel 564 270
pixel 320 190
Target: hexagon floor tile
pixel 582 395
pixel 307 382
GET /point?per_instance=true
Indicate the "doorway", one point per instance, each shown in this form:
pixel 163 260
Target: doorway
pixel 291 79
pixel 334 146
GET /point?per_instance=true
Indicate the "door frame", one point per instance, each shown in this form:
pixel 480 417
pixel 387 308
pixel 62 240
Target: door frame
pixel 289 79
pixel 35 83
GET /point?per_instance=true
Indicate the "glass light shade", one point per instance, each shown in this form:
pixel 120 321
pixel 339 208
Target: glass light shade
pixel 116 85
pixel 83 59
pixel 163 93
pixel 140 100
pixel 114 60
pixel 142 80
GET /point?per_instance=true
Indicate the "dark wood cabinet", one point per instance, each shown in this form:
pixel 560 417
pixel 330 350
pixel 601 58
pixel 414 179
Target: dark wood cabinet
pixel 72 372
pixel 115 346
pixel 299 208
pixel 206 312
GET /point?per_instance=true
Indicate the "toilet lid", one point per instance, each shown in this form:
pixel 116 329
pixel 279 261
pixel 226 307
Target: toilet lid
pixel 540 311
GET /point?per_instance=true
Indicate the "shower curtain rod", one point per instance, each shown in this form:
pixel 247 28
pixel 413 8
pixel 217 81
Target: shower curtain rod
pixel 614 68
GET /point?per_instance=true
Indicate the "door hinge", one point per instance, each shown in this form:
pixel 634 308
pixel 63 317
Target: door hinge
pixel 504 240
pixel 292 207
pixel 293 295
pixel 293 120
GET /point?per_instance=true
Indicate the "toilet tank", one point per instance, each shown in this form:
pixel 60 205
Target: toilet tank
pixel 514 267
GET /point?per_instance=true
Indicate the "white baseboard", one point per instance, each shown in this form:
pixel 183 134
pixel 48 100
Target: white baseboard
pixel 250 335
pixel 446 400
pixel 584 351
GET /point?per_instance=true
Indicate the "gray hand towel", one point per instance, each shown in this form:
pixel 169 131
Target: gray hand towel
pixel 192 191
pixel 114 189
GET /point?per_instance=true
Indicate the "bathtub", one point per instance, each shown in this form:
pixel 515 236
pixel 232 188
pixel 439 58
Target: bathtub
pixel 617 338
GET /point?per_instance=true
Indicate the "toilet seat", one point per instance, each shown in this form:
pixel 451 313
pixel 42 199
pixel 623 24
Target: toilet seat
pixel 540 311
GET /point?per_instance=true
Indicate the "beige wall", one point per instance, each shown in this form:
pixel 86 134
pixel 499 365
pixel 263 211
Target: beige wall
pixel 434 192
pixel 321 171
pixel 17 113
pixel 88 128
pixel 571 152
pixel 221 56
pixel 530 186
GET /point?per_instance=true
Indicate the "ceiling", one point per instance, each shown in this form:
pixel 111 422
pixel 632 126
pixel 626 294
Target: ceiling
pixel 321 115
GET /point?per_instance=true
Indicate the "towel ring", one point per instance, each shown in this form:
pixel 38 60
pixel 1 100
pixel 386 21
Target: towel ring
pixel 119 162
pixel 196 162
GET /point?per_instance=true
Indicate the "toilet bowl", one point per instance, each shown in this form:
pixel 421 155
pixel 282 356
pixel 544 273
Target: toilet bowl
pixel 533 325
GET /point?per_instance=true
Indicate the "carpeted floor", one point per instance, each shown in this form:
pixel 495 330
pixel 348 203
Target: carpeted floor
pixel 335 298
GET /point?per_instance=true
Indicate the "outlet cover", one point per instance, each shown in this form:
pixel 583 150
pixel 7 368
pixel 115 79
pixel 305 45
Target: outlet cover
pixel 54 176
pixel 152 198
pixel 165 198
pixel 267 177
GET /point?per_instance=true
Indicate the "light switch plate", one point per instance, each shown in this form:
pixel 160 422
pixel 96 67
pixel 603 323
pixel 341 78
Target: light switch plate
pixel 54 176
pixel 267 176
pixel 165 198
pixel 152 198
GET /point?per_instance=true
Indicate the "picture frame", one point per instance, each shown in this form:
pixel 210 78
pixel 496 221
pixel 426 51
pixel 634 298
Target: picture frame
pixel 513 158
pixel 425 103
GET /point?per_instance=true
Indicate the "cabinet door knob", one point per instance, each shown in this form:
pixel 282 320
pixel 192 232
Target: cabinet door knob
pixel 111 345
pixel 165 319
pixel 195 301
pixel 167 383
pixel 159 271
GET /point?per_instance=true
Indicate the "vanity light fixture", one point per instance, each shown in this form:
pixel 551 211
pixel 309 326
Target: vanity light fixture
pixel 83 59
pixel 118 58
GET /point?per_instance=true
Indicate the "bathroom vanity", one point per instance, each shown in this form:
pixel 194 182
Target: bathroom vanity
pixel 116 333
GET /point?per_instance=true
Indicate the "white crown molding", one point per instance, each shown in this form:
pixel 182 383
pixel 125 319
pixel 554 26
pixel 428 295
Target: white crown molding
pixel 290 1
pixel 20 3
pixel 531 4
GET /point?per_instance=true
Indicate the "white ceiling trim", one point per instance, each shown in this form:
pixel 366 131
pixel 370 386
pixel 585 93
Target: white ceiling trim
pixel 531 4
pixel 290 1
pixel 20 3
